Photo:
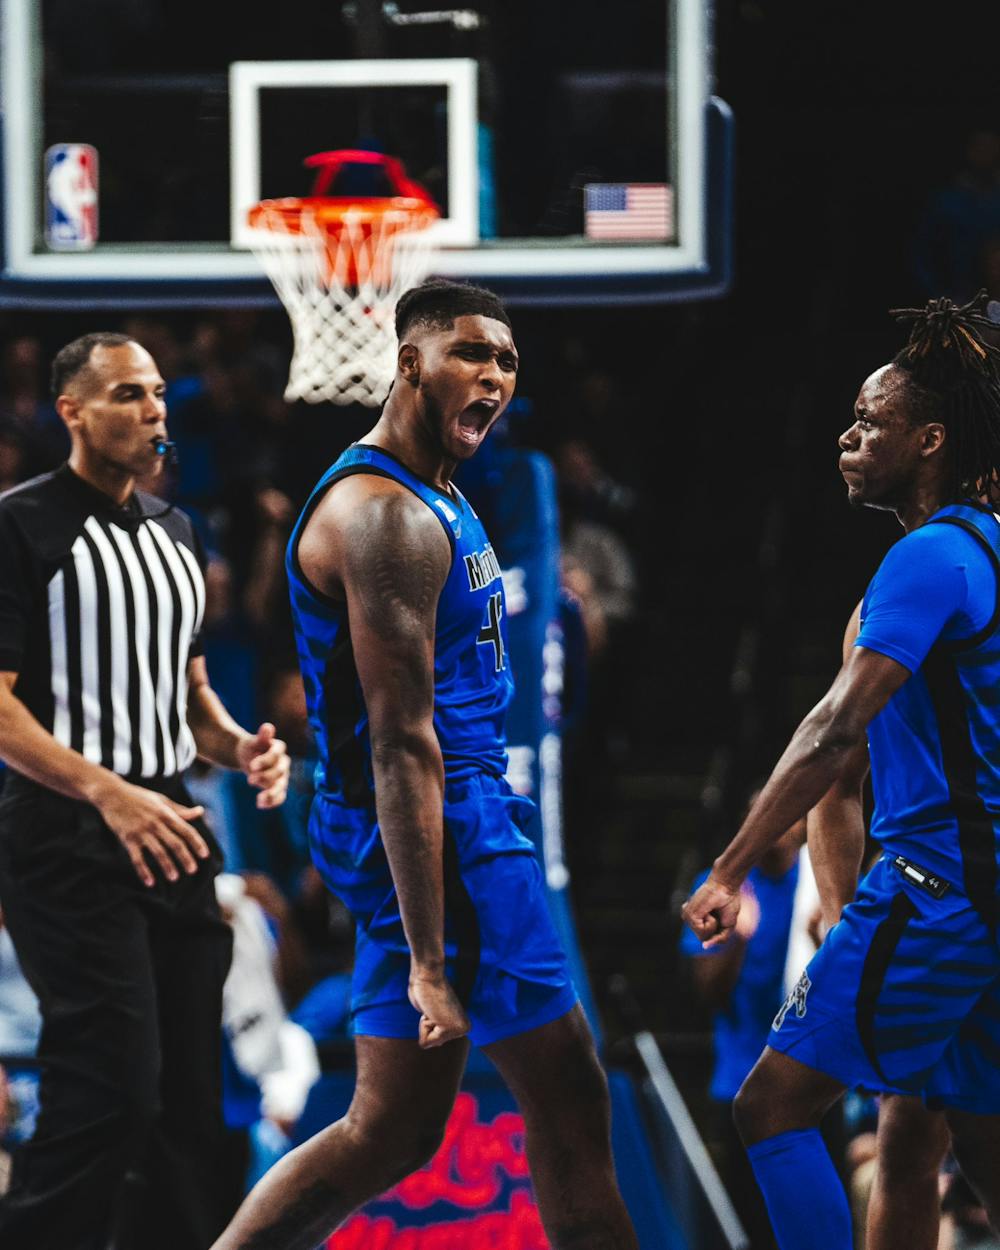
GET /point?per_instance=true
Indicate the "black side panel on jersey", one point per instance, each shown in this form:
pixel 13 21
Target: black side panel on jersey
pixel 976 835
pixel 461 922
pixel 342 696
pixel 883 946
pixel 967 644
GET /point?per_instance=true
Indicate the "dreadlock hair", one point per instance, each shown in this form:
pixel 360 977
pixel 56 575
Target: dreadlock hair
pixel 952 368
pixel 437 303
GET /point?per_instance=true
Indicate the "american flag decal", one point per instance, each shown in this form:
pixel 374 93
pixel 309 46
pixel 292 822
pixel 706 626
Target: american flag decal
pixel 628 210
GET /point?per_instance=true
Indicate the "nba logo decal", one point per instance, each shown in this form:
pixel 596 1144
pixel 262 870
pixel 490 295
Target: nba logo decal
pixel 71 197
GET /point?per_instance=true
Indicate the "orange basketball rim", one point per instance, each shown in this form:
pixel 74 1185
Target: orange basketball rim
pixel 359 232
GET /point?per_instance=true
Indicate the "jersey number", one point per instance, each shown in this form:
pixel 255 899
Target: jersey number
pixel 490 632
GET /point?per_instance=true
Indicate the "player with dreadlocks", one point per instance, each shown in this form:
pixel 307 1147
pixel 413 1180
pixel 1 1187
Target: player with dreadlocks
pixel 904 994
pixel 952 368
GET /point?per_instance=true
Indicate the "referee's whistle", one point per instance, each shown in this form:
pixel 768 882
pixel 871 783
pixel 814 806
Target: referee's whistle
pixel 164 447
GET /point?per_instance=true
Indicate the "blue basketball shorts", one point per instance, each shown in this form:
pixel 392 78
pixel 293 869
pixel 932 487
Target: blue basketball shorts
pixel 502 954
pixel 902 997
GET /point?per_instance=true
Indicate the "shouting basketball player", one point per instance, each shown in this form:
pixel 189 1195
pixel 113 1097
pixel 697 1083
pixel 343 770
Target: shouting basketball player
pixel 399 613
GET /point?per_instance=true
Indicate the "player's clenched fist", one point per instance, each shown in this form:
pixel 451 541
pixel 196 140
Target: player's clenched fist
pixel 711 912
pixel 442 1017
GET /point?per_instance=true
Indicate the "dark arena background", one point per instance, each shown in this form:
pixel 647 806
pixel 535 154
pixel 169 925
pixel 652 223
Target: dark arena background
pixel 668 465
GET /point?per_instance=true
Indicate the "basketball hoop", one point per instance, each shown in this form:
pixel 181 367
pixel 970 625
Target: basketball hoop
pixel 339 265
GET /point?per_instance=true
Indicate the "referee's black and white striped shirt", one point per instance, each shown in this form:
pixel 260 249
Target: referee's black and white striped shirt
pixel 100 608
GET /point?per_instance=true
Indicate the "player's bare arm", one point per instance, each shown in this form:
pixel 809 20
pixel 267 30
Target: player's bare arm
pixel 381 548
pixel 836 823
pixel 149 825
pixel 220 740
pixel 820 749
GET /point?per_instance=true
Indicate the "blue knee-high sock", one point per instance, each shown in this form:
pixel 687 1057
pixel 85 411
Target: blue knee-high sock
pixel 803 1193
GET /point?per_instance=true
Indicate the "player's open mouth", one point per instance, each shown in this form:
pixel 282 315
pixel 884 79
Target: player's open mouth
pixel 474 420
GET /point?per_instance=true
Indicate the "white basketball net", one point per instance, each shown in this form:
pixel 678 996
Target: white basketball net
pixel 345 341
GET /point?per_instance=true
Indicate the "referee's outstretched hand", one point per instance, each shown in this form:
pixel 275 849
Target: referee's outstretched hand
pixel 153 828
pixel 442 1017
pixel 264 759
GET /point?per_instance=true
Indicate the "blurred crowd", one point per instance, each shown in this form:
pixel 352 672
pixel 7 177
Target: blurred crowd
pixel 956 247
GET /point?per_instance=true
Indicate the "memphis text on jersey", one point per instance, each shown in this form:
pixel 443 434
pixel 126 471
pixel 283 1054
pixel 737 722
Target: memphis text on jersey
pixel 482 567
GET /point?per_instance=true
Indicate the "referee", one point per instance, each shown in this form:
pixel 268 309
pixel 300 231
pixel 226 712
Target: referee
pixel 106 870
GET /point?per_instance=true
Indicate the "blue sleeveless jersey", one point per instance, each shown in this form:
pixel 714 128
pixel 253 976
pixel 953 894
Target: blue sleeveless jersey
pixel 472 679
pixel 935 747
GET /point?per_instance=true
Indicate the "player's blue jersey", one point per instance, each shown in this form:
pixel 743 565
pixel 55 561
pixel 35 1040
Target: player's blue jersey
pixel 472 679
pixel 934 606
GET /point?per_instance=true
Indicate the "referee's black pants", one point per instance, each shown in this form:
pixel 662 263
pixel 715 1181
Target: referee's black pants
pixel 129 1139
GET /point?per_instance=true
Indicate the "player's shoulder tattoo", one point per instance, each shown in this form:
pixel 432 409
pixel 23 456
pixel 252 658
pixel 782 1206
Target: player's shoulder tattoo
pixel 397 561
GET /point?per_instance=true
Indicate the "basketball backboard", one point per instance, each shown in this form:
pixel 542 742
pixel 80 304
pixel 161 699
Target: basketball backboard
pixel 575 149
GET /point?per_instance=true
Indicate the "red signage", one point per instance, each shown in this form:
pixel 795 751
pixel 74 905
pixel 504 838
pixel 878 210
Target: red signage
pixel 475 1194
